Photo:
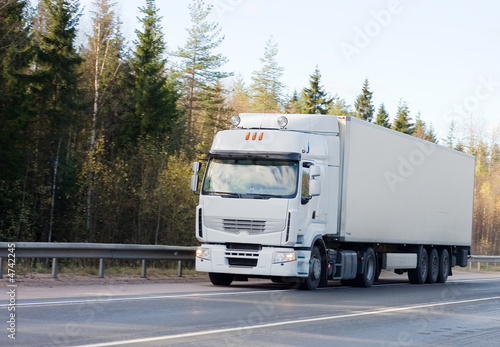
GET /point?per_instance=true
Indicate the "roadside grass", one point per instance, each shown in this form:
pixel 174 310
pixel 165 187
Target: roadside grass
pixel 483 267
pixel 112 267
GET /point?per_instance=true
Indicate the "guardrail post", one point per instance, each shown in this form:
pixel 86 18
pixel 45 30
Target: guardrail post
pixel 478 266
pixel 1 267
pixel 179 268
pixel 143 273
pixel 101 268
pixel 54 267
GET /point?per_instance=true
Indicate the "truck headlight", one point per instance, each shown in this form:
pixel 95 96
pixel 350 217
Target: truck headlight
pixel 203 253
pixel 284 257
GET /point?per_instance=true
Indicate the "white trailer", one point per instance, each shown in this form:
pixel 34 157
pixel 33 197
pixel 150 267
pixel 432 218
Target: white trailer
pixel 318 198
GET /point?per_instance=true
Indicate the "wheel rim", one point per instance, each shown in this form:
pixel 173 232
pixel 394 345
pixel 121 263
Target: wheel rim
pixel 315 268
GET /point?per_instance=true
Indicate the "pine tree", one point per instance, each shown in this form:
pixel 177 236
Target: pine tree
pixel 363 104
pixel 266 88
pixel 450 138
pixel 15 115
pixel 239 98
pixel 340 107
pixel 431 135
pixel 57 96
pixel 402 123
pixel 155 94
pixel 293 106
pixel 383 117
pixel 201 66
pixel 316 100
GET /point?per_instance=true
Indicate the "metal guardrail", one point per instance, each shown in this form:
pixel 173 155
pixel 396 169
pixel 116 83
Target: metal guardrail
pixel 103 251
pixel 478 259
pixel 99 251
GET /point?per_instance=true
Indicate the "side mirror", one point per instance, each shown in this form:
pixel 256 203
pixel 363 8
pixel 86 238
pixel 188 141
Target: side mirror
pixel 195 179
pixel 315 183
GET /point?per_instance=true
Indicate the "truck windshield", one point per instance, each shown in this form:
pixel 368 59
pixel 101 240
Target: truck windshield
pixel 251 178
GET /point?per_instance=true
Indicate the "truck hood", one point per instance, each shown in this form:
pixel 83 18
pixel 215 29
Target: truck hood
pixel 257 221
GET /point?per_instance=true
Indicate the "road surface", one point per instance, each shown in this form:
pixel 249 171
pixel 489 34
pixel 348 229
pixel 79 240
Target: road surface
pixel 464 311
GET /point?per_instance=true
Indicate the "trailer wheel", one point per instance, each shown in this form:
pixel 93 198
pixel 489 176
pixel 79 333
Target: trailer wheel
pixel 311 282
pixel 444 266
pixel 367 278
pixel 419 275
pixel 219 279
pixel 433 266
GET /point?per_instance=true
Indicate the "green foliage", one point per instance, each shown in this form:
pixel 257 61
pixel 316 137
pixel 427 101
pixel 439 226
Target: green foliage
pixel 383 117
pixel 402 123
pixel 315 99
pixel 96 144
pixel 201 75
pixel 423 132
pixel 363 104
pixel 155 94
pixel 266 88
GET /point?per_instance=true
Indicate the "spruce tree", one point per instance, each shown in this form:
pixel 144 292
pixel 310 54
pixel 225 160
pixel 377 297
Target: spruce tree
pixel 15 115
pixel 383 117
pixel 155 94
pixel 316 100
pixel 363 104
pixel 200 65
pixel 266 88
pixel 57 96
pixel 293 105
pixel 450 137
pixel 402 123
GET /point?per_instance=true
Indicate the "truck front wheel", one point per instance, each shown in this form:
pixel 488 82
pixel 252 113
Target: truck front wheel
pixel 311 282
pixel 219 279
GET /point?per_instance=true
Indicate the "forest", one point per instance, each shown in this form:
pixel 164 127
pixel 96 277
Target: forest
pixel 97 141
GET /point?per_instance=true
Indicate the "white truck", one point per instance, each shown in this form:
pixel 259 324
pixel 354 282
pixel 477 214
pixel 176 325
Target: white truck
pixel 316 198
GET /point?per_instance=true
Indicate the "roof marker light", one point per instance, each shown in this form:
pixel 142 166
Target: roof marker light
pixel 235 120
pixel 282 121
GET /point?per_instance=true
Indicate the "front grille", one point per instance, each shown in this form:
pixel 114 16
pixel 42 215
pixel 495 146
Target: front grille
pixel 242 257
pixel 242 262
pixel 250 226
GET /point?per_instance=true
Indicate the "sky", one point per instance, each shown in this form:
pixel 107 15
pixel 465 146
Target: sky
pixel 441 57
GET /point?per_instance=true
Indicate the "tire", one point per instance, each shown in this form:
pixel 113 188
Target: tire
pixel 433 266
pixel 419 275
pixel 219 279
pixel 367 278
pixel 311 282
pixel 444 266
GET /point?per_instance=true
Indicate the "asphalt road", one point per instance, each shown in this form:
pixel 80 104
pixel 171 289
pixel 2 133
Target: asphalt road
pixel 464 311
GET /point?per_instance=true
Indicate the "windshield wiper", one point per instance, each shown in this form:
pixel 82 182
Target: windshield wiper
pixel 226 194
pixel 260 196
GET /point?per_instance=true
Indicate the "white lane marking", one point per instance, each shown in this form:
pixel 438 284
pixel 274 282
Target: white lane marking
pixel 102 298
pixel 132 298
pixel 276 324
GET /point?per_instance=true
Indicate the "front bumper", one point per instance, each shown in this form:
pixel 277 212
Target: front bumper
pixel 252 262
